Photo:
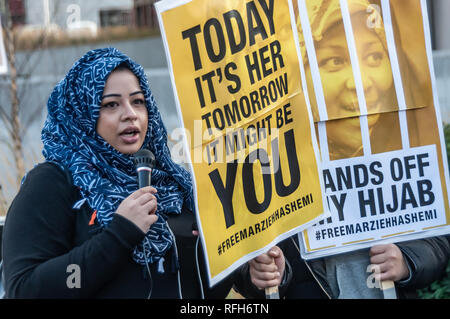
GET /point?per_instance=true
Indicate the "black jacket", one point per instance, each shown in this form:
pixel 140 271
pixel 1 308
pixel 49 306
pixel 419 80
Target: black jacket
pixel 45 239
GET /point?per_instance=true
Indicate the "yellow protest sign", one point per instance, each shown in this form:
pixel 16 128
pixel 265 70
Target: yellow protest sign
pixel 370 77
pixel 252 147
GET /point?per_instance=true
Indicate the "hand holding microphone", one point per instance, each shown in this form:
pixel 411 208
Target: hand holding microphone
pixel 144 161
pixel 140 206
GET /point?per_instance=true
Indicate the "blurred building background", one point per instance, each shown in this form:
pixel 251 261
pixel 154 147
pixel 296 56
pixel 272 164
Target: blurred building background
pixel 103 13
pixel 142 13
pixel 440 23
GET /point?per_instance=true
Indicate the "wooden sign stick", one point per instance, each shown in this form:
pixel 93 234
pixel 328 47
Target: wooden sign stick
pixel 272 292
pixel 388 288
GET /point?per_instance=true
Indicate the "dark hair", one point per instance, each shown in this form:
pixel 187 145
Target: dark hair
pixel 122 66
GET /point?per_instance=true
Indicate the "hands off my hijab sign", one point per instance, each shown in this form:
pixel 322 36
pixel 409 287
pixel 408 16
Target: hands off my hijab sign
pixel 252 146
pixel 369 75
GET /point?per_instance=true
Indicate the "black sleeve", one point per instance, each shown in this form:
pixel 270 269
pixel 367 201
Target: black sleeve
pixel 427 258
pixel 38 242
pixel 193 263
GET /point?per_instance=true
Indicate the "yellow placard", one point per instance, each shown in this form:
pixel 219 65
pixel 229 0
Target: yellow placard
pixel 252 147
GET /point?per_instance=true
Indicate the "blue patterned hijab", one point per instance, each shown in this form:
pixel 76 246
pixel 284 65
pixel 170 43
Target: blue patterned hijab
pixel 103 175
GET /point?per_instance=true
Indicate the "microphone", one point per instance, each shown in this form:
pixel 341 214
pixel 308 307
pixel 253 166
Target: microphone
pixel 144 161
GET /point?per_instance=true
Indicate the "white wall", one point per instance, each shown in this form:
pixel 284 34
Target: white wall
pixel 441 14
pixel 61 10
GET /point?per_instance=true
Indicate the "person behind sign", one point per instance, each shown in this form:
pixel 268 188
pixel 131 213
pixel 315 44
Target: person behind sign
pixel 412 264
pixel 79 226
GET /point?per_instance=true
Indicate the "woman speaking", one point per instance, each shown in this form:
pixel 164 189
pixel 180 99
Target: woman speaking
pixel 79 226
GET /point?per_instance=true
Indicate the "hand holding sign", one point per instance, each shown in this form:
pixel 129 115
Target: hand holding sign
pixel 267 270
pixel 391 262
pixel 390 266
